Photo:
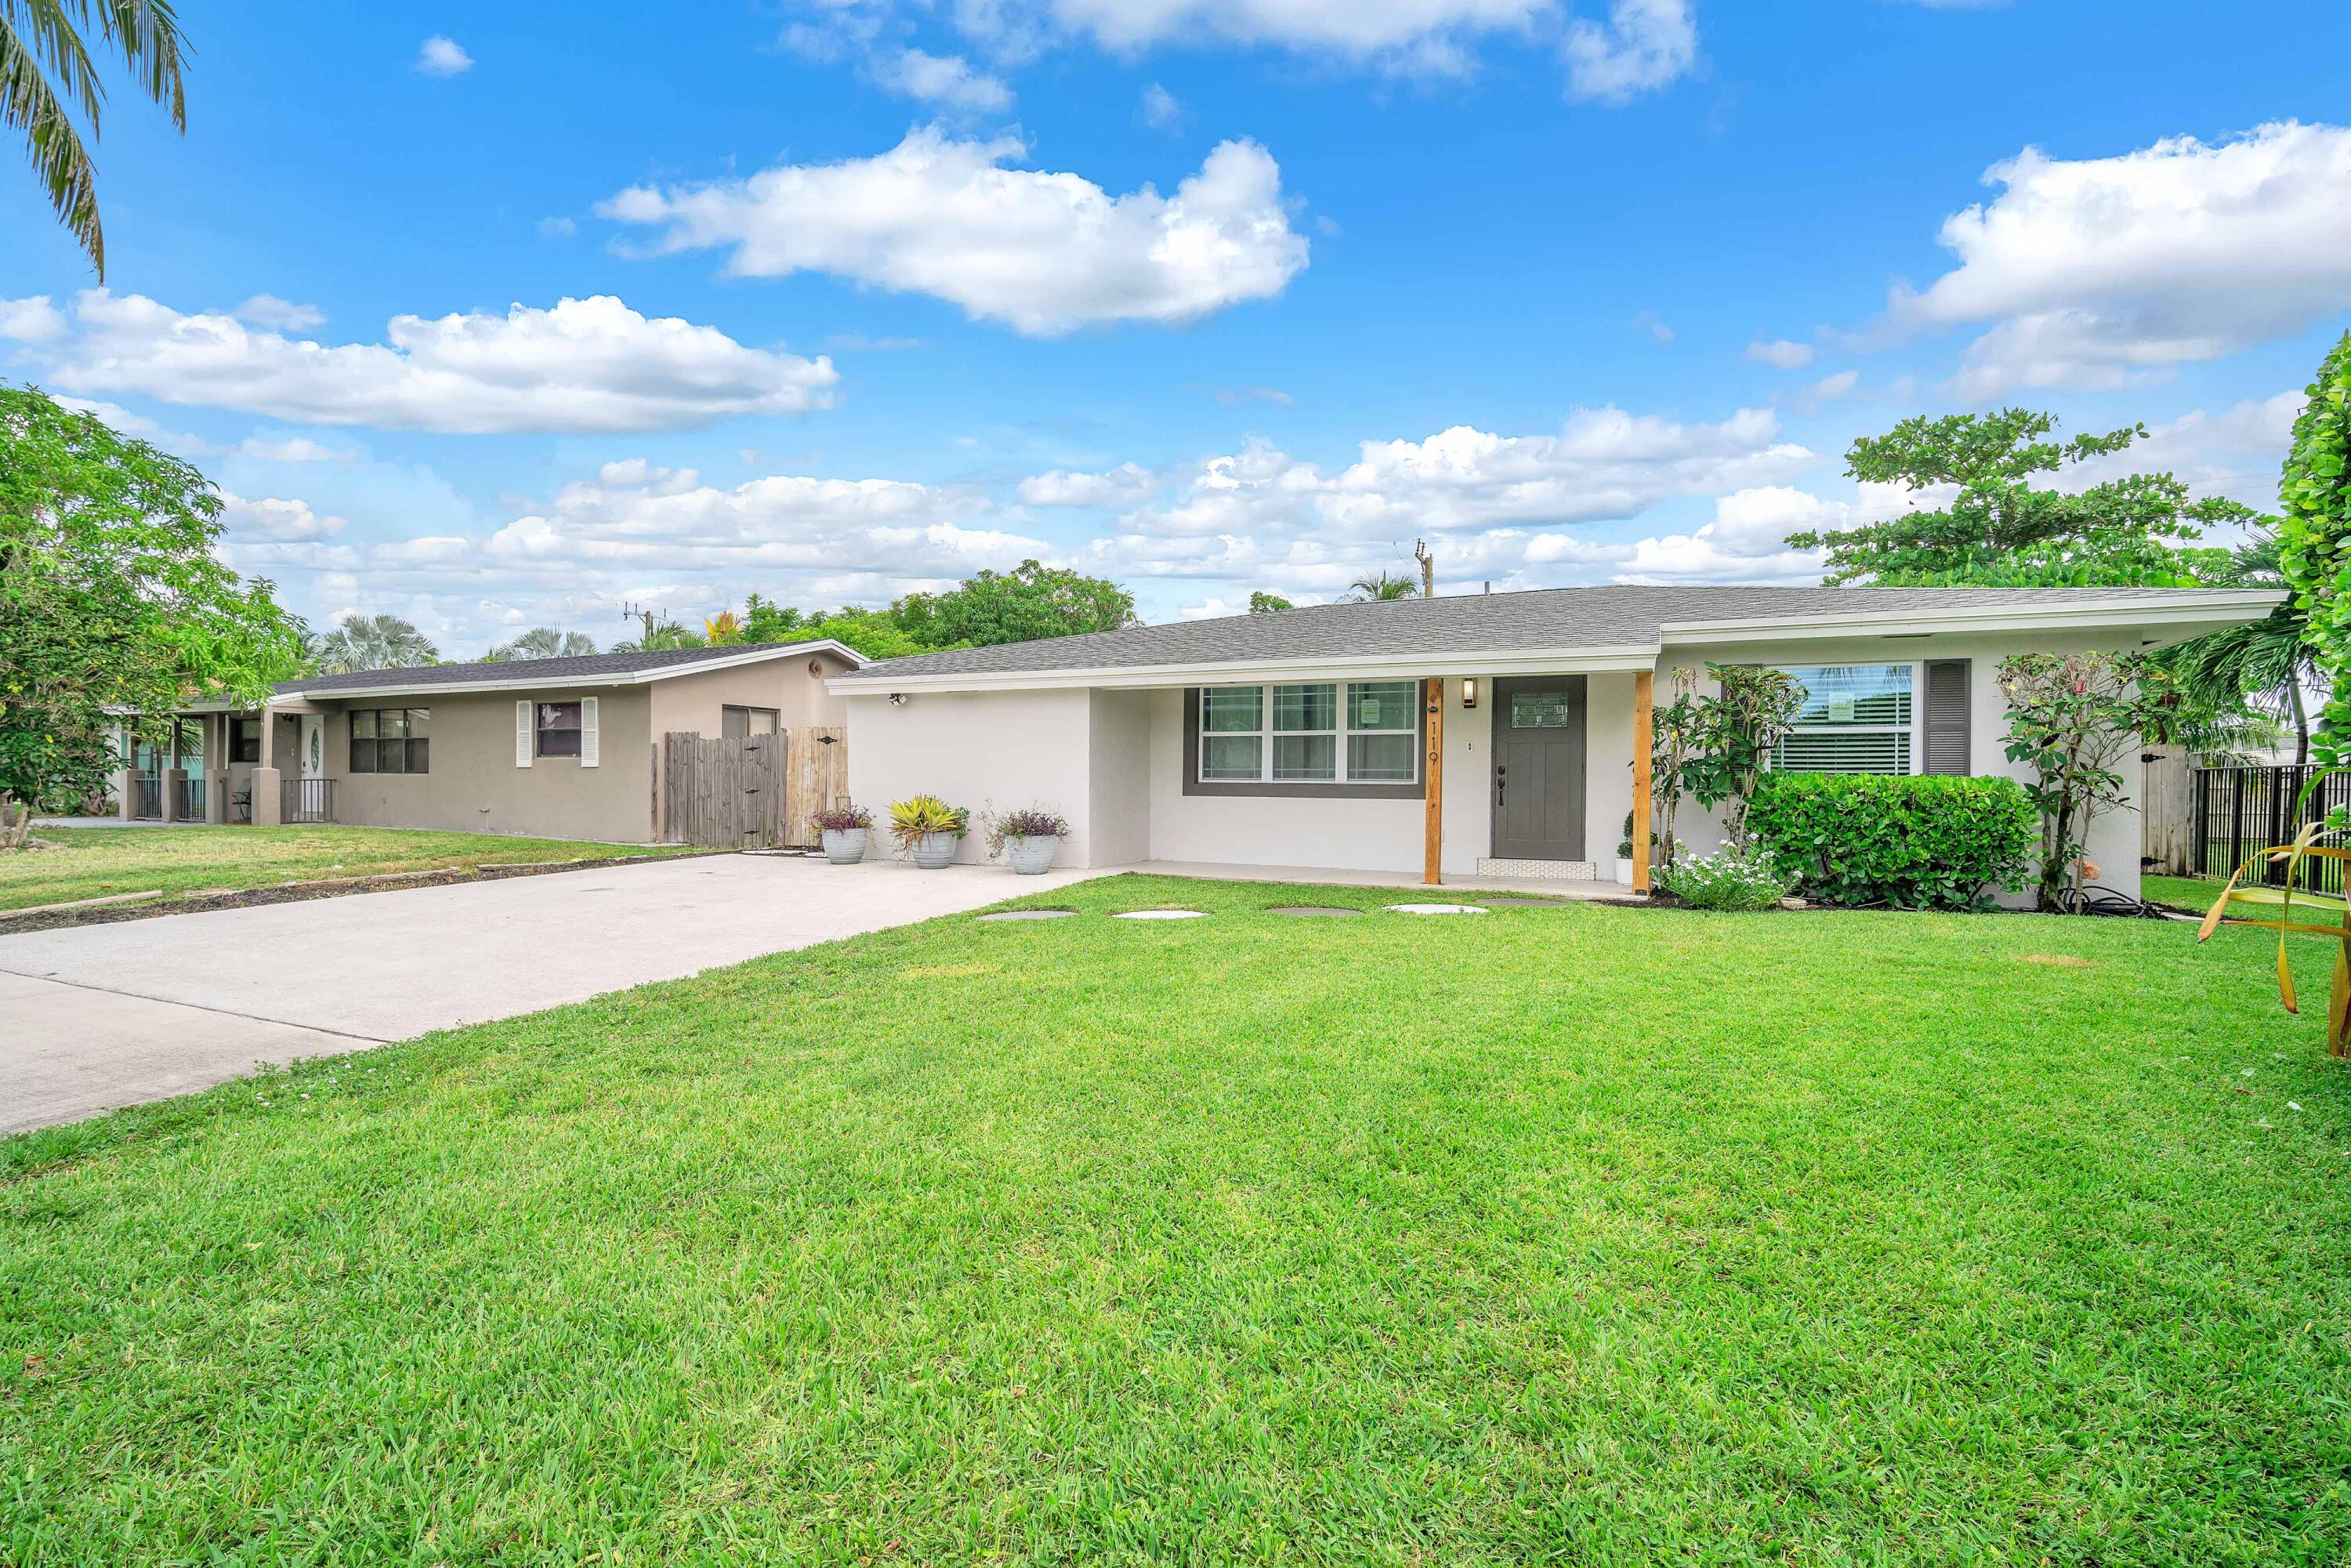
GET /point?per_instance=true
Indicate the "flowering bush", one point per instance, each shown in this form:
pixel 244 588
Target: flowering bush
pixel 1729 879
pixel 847 817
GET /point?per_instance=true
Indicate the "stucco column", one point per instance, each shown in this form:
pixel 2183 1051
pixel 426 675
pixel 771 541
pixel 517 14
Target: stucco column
pixel 124 775
pixel 170 781
pixel 268 810
pixel 216 728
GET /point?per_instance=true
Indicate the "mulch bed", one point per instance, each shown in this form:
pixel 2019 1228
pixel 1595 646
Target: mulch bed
pixel 302 892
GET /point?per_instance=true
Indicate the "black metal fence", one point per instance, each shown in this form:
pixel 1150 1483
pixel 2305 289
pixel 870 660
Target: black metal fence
pixel 2242 810
pixel 306 800
pixel 190 807
pixel 147 796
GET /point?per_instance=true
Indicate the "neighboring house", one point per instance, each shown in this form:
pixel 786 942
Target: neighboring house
pixel 1308 737
pixel 554 747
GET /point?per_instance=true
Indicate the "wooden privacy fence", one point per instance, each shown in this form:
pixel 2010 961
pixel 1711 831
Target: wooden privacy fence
pixel 760 792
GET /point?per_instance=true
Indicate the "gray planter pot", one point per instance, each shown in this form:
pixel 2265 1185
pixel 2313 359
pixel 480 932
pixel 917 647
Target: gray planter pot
pixel 845 846
pixel 1032 856
pixel 936 851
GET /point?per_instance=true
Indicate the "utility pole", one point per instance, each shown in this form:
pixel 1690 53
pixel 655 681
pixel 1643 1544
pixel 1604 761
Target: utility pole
pixel 1427 568
pixel 632 612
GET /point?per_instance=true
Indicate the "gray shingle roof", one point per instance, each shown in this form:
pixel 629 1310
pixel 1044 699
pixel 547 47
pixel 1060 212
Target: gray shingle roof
pixel 424 677
pixel 1466 624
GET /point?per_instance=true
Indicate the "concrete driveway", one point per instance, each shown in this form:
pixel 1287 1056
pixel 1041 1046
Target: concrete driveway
pixel 111 1015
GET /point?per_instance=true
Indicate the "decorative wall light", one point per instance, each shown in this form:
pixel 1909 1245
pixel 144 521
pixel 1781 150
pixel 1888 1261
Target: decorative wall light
pixel 1469 691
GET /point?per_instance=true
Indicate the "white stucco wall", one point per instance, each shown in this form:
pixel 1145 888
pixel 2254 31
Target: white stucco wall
pixel 2115 836
pixel 1112 761
pixel 981 750
pixel 1284 830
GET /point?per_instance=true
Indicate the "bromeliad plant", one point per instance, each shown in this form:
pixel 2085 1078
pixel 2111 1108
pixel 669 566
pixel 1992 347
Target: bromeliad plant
pixel 921 816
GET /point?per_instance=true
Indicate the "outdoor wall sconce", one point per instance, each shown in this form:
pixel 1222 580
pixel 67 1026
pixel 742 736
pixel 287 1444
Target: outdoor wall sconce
pixel 1469 691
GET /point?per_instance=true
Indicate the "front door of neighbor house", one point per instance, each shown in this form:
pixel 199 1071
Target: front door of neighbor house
pixel 1539 767
pixel 314 745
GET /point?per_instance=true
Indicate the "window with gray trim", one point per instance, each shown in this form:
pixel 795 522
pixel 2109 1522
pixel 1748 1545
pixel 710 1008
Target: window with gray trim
pixel 1856 718
pixel 1309 733
pixel 392 740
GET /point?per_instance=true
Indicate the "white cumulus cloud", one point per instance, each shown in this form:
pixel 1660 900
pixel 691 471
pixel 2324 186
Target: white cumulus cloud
pixel 32 319
pixel 1044 252
pixel 1643 45
pixel 1780 354
pixel 590 364
pixel 442 56
pixel 2096 273
pixel 945 81
pixel 279 315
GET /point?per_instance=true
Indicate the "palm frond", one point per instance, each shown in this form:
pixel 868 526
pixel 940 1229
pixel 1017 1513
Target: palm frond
pixel 60 162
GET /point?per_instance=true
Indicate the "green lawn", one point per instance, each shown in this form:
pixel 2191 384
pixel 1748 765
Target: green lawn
pixel 1575 1233
pixel 92 862
pixel 2188 893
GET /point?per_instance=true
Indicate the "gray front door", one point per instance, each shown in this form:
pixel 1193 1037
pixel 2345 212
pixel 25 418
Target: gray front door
pixel 1539 767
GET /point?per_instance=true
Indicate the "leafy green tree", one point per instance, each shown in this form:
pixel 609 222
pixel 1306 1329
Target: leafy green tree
pixel 44 39
pixel 111 601
pixel 373 643
pixel 2315 493
pixel 544 643
pixel 1264 604
pixel 2003 531
pixel 2075 718
pixel 1030 602
pixel 1735 732
pixel 1381 585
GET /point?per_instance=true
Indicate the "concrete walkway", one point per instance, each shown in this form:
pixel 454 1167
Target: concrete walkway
pixel 102 1015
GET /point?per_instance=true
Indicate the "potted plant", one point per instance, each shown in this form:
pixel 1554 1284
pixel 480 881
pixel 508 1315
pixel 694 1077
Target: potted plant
pixel 1028 838
pixel 928 828
pixel 1624 853
pixel 847 828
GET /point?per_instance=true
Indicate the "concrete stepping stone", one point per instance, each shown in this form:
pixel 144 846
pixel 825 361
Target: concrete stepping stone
pixel 1162 914
pixel 1313 911
pixel 1440 908
pixel 1031 915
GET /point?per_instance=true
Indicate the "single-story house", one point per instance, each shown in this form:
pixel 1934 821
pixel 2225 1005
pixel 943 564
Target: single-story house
pixel 1489 734
pixel 565 747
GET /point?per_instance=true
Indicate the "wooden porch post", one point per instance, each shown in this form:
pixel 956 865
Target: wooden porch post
pixel 1433 867
pixel 1643 698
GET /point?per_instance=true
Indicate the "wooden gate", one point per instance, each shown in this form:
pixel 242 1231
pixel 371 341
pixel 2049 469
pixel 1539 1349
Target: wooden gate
pixel 756 792
pixel 815 775
pixel 2167 806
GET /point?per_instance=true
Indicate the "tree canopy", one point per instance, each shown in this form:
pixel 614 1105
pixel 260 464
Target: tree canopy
pixel 1030 602
pixel 1999 528
pixel 1264 604
pixel 2314 493
pixel 111 599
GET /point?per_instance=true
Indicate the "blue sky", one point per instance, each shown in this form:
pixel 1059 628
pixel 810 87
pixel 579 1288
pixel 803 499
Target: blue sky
pixel 1203 294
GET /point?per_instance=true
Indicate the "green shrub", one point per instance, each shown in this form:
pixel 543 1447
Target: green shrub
pixel 1933 842
pixel 1729 879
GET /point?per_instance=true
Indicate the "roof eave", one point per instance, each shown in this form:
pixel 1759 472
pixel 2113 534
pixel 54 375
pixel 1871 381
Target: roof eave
pixel 2222 607
pixel 1348 666
pixel 552 683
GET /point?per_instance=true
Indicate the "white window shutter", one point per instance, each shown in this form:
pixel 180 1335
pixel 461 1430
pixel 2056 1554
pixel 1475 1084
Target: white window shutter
pixel 586 732
pixel 524 734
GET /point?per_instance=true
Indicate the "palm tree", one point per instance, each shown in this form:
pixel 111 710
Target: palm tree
pixel 544 643
pixel 1384 585
pixel 665 635
pixel 2267 666
pixel 38 33
pixel 723 629
pixel 371 642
